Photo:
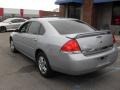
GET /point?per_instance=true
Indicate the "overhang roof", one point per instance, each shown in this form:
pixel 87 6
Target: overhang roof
pixel 81 1
pixel 68 1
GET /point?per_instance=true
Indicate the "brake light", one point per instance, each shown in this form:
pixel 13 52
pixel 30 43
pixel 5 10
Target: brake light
pixel 71 46
pixel 113 37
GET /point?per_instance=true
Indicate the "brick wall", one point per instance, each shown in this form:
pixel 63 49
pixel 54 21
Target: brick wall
pixel 48 13
pixel 87 11
pixel 21 12
pixel 1 11
pixel 62 11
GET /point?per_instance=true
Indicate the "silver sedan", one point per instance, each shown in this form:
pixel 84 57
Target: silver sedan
pixel 64 45
pixel 11 24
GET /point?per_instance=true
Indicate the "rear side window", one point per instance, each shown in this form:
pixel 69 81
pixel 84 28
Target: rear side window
pixel 21 20
pixel 34 28
pixel 18 20
pixel 70 26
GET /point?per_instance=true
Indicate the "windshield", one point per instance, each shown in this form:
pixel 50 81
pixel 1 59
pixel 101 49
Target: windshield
pixel 7 20
pixel 71 26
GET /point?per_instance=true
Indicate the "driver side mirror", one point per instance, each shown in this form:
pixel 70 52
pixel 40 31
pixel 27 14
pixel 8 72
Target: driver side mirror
pixel 10 22
pixel 17 30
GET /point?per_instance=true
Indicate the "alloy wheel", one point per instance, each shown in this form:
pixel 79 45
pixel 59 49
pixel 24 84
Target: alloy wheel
pixel 42 65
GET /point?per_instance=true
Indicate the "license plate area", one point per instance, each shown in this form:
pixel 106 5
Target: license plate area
pixel 102 61
pixel 103 58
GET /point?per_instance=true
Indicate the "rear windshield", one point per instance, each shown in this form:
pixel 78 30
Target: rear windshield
pixel 71 26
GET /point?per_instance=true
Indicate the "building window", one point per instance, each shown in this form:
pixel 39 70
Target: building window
pixel 116 14
pixel 74 12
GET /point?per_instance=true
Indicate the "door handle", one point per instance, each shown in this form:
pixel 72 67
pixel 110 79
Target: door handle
pixel 35 39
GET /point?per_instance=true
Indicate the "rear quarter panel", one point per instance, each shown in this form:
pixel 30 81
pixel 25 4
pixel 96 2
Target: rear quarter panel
pixel 51 45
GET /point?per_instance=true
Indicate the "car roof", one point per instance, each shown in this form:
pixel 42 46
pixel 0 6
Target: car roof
pixel 14 18
pixel 51 19
pixel 9 19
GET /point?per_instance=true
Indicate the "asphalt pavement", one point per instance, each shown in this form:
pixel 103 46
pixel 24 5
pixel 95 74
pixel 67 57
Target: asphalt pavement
pixel 17 72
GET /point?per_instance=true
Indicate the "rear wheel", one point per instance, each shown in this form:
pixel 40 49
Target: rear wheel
pixel 12 47
pixel 3 29
pixel 43 65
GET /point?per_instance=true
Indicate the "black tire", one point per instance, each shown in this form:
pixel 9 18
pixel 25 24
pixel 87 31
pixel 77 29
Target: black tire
pixel 47 72
pixel 3 29
pixel 12 47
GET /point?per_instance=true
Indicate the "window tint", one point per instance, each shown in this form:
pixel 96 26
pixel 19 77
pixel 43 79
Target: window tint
pixel 71 26
pixel 18 20
pixel 116 13
pixel 21 20
pixel 74 11
pixel 34 28
pixel 14 21
pixel 42 30
pixel 24 28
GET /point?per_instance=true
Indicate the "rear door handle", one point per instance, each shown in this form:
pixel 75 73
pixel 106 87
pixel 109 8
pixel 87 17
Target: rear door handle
pixel 35 39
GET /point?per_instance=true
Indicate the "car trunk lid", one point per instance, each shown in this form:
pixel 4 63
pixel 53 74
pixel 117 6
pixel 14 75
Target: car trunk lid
pixel 93 42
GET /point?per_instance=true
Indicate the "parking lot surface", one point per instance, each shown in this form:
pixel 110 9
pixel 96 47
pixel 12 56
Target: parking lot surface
pixel 17 72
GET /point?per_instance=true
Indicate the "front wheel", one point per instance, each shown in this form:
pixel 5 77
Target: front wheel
pixel 12 47
pixel 43 65
pixel 2 29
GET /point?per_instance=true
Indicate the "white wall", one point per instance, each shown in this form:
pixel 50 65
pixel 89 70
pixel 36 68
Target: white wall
pixel 35 12
pixel 16 12
pixel 11 11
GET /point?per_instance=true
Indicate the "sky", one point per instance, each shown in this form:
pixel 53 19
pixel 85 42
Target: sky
pixel 48 5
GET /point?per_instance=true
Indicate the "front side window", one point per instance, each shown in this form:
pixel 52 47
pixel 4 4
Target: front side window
pixel 24 28
pixel 18 20
pixel 34 28
pixel 116 14
pixel 71 26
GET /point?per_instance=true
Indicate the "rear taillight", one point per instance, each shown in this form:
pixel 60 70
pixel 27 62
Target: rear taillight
pixel 71 46
pixel 113 38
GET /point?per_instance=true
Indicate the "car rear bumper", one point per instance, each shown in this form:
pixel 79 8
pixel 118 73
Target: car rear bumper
pixel 77 64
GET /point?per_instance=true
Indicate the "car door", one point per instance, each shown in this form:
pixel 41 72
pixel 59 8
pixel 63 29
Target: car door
pixel 16 23
pixel 19 37
pixel 30 39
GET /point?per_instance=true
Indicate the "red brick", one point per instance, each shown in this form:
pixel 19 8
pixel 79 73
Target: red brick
pixel 88 11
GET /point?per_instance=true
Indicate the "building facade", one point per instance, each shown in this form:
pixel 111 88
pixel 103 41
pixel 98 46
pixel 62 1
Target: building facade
pixel 25 13
pixel 102 14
